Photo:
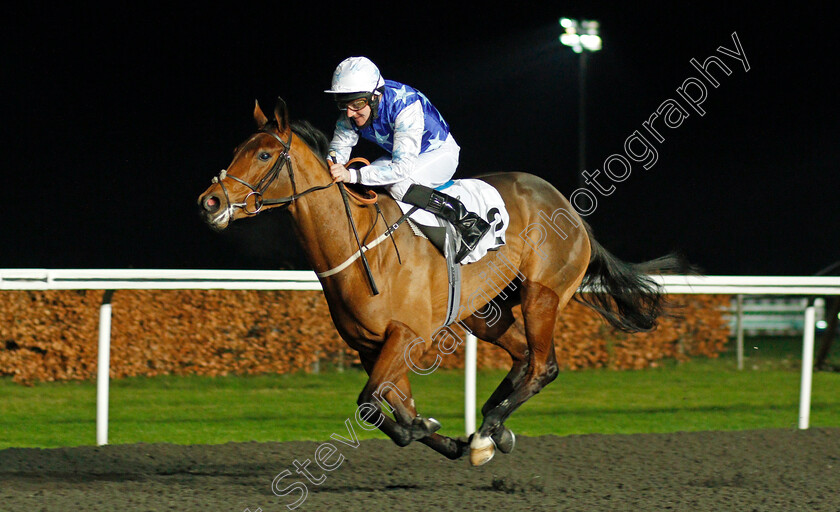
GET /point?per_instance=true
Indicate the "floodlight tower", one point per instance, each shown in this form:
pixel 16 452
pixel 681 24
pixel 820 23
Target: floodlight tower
pixel 582 37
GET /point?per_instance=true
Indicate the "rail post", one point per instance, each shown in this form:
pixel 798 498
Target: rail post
pixel 103 368
pixel 469 384
pixel 807 367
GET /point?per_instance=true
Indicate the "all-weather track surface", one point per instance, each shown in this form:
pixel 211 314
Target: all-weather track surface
pixel 763 470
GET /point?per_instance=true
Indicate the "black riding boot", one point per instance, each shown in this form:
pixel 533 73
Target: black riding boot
pixel 470 226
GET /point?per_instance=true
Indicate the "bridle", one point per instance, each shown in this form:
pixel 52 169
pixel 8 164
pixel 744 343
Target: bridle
pixel 257 190
pixel 283 159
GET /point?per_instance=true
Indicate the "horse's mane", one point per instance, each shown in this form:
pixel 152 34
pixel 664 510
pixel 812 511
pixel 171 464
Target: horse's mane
pixel 313 137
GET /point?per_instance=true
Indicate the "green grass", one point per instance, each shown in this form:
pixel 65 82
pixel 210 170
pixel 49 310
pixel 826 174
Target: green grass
pixel 699 395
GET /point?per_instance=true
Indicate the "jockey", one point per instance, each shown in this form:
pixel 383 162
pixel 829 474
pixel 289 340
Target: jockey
pixel 402 121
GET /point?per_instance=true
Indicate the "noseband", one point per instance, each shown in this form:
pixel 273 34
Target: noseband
pixel 257 190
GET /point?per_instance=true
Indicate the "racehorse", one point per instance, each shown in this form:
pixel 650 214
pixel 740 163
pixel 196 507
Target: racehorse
pixel 548 255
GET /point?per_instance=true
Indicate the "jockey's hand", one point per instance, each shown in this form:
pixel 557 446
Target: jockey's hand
pixel 339 172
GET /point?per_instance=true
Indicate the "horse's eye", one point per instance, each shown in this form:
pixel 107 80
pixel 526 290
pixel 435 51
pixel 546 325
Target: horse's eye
pixel 264 156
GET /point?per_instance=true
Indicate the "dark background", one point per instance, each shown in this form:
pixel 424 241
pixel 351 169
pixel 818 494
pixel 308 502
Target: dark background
pixel 114 120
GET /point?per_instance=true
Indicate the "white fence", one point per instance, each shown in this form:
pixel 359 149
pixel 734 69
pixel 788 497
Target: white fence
pixel 141 279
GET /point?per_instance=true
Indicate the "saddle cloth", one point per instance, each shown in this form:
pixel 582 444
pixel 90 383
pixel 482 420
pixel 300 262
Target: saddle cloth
pixel 479 197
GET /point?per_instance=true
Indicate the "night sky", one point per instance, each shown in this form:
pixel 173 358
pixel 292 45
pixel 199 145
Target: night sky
pixel 114 121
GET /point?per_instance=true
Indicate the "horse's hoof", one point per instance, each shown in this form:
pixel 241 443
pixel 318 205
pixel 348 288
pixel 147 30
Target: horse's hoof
pixel 427 425
pixel 505 440
pixel 482 450
pixel 431 425
pixel 422 427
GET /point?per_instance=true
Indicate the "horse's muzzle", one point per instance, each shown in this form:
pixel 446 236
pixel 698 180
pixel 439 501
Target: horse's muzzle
pixel 211 204
pixel 214 212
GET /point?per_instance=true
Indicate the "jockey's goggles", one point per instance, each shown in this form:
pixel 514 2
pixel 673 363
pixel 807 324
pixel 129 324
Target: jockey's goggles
pixel 355 105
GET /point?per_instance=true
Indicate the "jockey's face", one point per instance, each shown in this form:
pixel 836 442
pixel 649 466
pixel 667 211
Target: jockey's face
pixel 360 110
pixel 360 116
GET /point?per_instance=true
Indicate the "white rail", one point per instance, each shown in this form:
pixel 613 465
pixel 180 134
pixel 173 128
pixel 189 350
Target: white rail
pixel 160 279
pixel 146 279
pixel 175 279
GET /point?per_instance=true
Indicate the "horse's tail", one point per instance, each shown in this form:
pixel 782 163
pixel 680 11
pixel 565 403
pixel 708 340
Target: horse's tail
pixel 624 293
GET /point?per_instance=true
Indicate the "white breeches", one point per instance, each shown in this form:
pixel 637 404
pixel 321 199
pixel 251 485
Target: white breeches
pixel 432 169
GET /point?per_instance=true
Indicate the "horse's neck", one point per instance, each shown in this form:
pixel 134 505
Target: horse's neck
pixel 322 224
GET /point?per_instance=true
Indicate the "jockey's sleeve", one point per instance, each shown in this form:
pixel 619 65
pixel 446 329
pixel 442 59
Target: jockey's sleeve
pixel 408 134
pixel 344 139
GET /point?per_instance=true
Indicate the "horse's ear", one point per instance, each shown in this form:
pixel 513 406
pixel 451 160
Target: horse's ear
pixel 281 114
pixel 259 117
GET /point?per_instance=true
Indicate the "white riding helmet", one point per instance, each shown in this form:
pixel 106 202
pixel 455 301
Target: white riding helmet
pixel 356 75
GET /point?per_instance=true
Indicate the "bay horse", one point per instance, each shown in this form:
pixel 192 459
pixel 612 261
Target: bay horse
pixel 549 253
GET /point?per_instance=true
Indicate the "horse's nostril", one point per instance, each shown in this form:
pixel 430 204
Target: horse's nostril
pixel 211 204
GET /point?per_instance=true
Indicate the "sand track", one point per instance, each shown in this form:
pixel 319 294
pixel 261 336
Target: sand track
pixel 754 470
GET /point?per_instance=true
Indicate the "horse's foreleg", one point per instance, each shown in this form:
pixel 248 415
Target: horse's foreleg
pixel 402 436
pixel 423 429
pixel 539 310
pixel 371 404
pixel 401 404
pixel 448 447
pixel 388 388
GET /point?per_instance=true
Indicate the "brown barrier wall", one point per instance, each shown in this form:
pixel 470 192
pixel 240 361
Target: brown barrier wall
pixel 52 335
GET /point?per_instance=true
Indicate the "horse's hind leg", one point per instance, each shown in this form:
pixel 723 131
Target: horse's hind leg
pixel 540 305
pixel 508 334
pixel 513 342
